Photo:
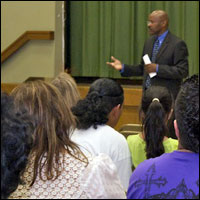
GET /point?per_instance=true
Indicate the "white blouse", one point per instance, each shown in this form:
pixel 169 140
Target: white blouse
pixel 97 180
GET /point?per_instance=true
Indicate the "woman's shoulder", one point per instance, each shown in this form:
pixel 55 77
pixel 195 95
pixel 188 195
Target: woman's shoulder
pixel 170 145
pixel 104 161
pixel 171 141
pixel 101 169
pixel 134 138
pixel 110 133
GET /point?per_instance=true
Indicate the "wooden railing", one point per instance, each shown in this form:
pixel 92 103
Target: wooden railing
pixel 23 39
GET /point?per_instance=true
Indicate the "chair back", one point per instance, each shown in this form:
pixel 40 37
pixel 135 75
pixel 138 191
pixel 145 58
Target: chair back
pixel 130 129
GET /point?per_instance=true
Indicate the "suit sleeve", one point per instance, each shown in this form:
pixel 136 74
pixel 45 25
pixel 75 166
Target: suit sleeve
pixel 179 68
pixel 134 70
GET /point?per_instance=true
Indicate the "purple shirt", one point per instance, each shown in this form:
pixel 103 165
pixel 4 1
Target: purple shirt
pixel 170 176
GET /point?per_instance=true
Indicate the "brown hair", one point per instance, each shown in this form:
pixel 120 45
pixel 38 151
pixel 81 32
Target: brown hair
pixel 53 125
pixel 68 88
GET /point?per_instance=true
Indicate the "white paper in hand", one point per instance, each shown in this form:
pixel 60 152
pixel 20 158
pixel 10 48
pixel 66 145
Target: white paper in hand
pixel 148 61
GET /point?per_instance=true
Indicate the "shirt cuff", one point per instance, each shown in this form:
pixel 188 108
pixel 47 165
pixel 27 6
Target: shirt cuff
pixel 157 68
pixel 122 70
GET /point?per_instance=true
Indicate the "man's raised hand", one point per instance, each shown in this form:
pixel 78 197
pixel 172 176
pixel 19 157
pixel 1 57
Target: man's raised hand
pixel 116 64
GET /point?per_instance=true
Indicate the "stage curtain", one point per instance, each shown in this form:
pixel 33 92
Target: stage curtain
pixel 101 29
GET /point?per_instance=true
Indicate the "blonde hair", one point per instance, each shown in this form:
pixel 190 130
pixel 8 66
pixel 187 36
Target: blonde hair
pixel 54 122
pixel 68 88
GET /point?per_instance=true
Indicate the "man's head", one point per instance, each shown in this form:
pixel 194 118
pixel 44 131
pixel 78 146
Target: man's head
pixel 158 22
pixel 187 115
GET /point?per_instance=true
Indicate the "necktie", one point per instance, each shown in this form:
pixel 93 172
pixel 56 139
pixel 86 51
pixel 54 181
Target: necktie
pixel 155 51
pixel 153 58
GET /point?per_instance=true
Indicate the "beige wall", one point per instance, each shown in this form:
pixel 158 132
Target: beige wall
pixel 36 58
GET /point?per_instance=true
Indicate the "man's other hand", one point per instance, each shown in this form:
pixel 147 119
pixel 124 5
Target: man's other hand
pixel 150 68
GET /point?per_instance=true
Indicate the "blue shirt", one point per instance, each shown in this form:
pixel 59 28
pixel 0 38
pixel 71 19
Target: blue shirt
pixel 161 39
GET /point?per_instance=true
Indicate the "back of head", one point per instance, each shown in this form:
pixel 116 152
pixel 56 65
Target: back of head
pixel 68 88
pixel 44 101
pixel 187 114
pixel 104 94
pixel 16 143
pixel 156 106
pixel 53 121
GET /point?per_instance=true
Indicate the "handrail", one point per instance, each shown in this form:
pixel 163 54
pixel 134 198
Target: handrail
pixel 23 39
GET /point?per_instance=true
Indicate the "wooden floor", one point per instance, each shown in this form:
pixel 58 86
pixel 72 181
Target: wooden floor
pixel 132 98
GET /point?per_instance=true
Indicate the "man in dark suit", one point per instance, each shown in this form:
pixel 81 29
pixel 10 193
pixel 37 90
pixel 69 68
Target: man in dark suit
pixel 167 53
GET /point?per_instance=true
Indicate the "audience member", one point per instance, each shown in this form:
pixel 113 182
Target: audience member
pixel 155 111
pixel 97 115
pixel 174 175
pixel 57 168
pixel 16 142
pixel 68 88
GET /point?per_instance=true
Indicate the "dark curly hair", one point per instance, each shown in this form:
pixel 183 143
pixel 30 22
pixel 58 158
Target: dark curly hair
pixel 155 118
pixel 104 94
pixel 187 113
pixel 16 143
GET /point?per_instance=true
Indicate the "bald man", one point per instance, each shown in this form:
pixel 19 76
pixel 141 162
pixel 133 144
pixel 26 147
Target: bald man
pixel 168 55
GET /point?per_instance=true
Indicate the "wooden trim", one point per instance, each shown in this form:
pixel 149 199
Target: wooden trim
pixel 23 39
pixel 8 87
pixel 132 100
pixel 133 94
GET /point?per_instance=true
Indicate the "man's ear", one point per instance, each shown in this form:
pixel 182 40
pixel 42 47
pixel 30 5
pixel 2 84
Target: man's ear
pixel 114 115
pixel 176 128
pixel 164 23
pixel 118 107
pixel 116 110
